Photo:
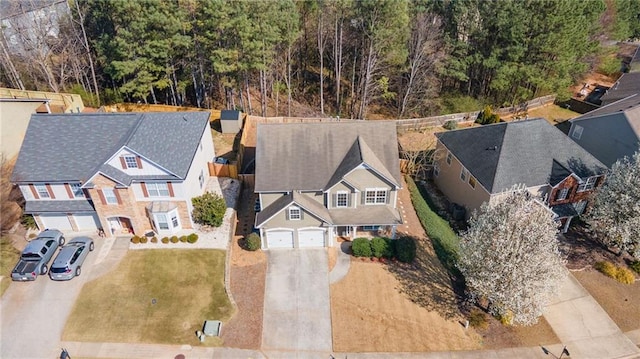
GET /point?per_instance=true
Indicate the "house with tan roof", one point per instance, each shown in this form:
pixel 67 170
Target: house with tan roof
pixel 320 181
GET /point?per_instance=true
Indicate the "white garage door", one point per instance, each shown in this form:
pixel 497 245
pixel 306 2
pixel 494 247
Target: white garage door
pixel 311 238
pixel 279 239
pixel 87 221
pixel 56 221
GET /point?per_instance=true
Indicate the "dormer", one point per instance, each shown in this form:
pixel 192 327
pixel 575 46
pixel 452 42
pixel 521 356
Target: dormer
pixel 133 164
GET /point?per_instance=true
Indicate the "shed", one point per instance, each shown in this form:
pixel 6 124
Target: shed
pixel 231 121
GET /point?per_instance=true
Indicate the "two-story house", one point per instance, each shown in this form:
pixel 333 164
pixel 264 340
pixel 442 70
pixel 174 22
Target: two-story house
pixel 318 181
pixel 611 132
pixel 478 164
pixel 122 172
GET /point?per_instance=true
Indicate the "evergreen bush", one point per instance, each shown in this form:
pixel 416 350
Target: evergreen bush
pixel 361 247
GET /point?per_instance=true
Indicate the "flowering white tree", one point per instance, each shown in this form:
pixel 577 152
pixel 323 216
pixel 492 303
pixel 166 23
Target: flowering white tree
pixel 510 257
pixel 615 212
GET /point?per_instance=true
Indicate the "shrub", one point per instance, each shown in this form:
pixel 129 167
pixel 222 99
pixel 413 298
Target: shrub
pixel 28 221
pixel 478 319
pixel 622 275
pixel 154 239
pixel 361 247
pixel 143 239
pixel 165 240
pixel 174 239
pixel 183 239
pixel 635 265
pixel 135 239
pixel 406 249
pixel 487 116
pixel 252 242
pixel 456 103
pixel 209 209
pixel 380 247
pixel 610 66
pixel 192 238
pixel 450 125
pixel 444 239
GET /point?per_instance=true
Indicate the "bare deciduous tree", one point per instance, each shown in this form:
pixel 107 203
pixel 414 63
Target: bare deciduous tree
pixel 616 207
pixel 510 257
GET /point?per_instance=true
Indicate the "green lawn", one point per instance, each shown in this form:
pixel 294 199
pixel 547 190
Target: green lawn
pixel 8 258
pixel 187 285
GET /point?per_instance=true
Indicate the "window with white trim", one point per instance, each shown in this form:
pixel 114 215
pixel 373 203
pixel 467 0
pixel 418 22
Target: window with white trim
pixel 562 194
pixel 464 174
pixel 375 196
pixel 42 190
pixel 131 161
pixel 370 228
pixel 577 132
pixel 580 206
pixel 157 189
pixel 449 155
pixel 76 189
pixel 167 221
pixel 342 199
pixel 588 185
pixel 294 213
pixel 110 195
pixel 161 221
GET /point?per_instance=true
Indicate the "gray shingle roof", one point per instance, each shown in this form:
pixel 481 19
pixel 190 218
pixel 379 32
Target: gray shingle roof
pixel 308 156
pixel 531 152
pixel 72 147
pixel 307 204
pixel 628 84
pixel 72 206
pixel 620 106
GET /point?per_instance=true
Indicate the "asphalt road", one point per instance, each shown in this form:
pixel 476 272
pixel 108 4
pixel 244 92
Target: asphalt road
pixel 33 314
pixel 297 313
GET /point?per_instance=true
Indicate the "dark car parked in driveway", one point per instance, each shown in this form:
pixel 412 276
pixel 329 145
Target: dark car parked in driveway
pixel 36 255
pixel 68 262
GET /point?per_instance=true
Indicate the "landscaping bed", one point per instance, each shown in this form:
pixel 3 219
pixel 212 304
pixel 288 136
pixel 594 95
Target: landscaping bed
pixel 153 296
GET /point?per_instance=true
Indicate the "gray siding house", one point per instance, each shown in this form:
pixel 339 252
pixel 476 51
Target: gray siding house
pixel 610 132
pixel 320 181
pixel 478 164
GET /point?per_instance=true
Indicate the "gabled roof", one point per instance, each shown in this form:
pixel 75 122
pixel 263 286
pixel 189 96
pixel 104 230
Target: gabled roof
pixel 308 204
pixel 530 152
pixel 74 147
pixel 622 106
pixel 314 156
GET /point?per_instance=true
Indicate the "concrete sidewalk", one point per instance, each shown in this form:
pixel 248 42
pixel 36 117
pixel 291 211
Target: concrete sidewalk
pixel 584 327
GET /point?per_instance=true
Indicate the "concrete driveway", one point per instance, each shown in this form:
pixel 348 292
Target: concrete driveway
pixel 297 313
pixel 34 313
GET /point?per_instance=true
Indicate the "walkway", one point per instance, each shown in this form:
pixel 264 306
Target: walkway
pixel 584 327
pixel 343 263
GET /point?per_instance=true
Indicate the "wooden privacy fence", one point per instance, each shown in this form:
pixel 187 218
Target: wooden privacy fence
pixel 223 170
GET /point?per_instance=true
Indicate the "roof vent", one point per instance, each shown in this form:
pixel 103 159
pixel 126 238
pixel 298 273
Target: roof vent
pixel 492 148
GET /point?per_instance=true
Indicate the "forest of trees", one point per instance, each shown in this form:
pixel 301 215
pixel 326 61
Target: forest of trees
pixel 347 58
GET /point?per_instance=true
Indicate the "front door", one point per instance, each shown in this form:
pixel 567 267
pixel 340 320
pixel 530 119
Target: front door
pixel 344 231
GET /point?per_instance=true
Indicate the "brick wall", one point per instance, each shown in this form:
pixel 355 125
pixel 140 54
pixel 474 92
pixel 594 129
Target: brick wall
pixel 127 208
pixel 573 196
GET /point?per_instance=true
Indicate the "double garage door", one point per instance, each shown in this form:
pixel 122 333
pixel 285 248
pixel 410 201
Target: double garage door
pixel 61 221
pixel 307 238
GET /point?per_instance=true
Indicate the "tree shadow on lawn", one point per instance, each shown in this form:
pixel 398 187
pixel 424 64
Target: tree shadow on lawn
pixel 427 283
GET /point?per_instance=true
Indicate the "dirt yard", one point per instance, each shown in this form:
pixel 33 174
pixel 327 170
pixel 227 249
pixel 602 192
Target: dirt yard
pixel 411 303
pixel 248 270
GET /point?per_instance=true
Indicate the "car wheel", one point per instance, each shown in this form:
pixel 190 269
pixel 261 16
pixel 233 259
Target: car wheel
pixel 62 240
pixel 44 270
pixel 91 247
pixel 77 271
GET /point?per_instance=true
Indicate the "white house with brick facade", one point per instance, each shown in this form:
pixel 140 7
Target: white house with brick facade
pixel 123 172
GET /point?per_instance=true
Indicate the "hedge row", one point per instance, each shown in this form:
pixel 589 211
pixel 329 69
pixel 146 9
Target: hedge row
pixel 192 238
pixel 404 248
pixel 445 241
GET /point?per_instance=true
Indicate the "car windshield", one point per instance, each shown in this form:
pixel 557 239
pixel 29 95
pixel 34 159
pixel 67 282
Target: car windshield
pixel 59 270
pixel 28 256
